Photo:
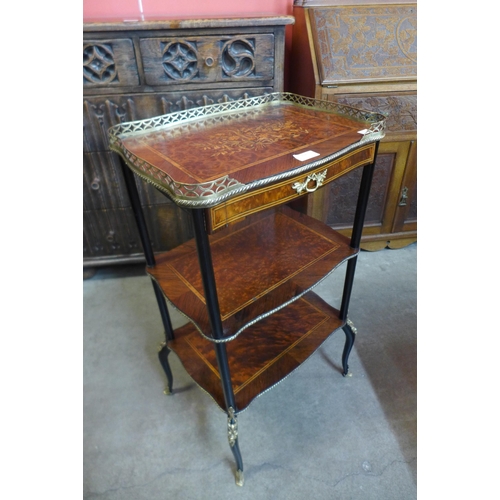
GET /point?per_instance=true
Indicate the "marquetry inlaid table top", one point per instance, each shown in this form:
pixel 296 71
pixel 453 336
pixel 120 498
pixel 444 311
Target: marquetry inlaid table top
pixel 204 156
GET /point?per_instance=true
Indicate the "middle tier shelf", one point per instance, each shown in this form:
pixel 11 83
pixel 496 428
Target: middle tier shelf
pixel 260 265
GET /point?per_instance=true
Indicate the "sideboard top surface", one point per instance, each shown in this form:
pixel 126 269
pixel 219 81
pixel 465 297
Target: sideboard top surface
pixel 184 23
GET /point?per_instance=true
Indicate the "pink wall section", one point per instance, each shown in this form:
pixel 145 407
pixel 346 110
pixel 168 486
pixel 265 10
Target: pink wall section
pixel 144 9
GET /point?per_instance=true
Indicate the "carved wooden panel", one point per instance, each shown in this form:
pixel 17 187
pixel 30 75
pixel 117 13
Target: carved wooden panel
pixel 112 232
pixel 207 59
pixel 401 110
pixel 109 63
pixel 104 187
pixel 365 42
pixel 364 55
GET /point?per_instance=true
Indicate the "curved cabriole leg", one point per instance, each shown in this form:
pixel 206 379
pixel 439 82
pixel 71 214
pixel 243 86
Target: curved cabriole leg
pixel 350 334
pixel 163 357
pixel 232 436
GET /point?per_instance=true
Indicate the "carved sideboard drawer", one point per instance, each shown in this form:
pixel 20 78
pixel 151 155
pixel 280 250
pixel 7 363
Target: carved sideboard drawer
pixel 104 187
pixel 283 192
pixel 109 63
pixel 111 232
pixel 208 59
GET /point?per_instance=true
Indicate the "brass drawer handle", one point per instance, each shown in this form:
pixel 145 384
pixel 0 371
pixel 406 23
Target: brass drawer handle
pixel 303 186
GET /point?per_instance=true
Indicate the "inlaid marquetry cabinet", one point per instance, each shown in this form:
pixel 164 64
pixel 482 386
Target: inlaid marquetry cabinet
pixel 365 55
pixel 138 70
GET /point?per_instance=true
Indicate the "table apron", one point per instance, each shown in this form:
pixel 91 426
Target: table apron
pixel 257 200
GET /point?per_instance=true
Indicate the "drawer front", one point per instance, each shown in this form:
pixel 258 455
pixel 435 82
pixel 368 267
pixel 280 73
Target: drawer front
pixel 171 61
pixel 104 186
pixel 113 232
pixel 102 112
pixel 109 63
pixel 110 232
pixel 286 191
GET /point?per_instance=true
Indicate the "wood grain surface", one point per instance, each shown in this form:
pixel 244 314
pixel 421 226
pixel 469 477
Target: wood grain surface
pixel 249 145
pixel 263 354
pixel 259 264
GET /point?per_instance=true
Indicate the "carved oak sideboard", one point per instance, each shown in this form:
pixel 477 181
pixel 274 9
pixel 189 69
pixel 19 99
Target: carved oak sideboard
pixel 365 55
pixel 138 70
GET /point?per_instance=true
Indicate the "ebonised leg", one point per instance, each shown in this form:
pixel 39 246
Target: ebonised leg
pixel 150 261
pixel 163 357
pixel 212 301
pixel 350 335
pixel 359 217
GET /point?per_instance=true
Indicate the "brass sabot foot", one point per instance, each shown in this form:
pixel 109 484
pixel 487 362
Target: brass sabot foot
pixel 240 478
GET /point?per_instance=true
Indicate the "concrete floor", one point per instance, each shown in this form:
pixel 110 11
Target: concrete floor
pixel 316 435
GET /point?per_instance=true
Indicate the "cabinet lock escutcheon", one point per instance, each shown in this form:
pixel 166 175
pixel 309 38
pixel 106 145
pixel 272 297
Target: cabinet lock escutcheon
pixel 404 197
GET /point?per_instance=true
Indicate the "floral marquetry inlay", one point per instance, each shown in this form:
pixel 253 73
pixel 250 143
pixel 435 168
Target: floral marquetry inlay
pixel 245 137
pixel 239 145
pixel 250 138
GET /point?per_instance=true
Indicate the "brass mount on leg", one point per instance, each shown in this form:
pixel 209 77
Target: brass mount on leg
pixel 232 427
pixel 353 328
pixel 232 436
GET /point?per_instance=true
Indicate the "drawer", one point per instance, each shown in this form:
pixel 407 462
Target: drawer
pixel 288 190
pixel 113 232
pixel 208 59
pixel 109 63
pixel 104 186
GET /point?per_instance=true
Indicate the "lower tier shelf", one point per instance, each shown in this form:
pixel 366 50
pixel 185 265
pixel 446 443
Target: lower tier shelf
pixel 261 264
pixel 264 354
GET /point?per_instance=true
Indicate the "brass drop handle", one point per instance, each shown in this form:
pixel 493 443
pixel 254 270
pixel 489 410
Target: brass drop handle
pixel 304 186
pixel 404 197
